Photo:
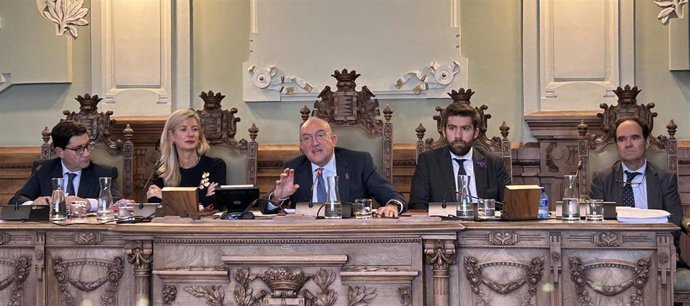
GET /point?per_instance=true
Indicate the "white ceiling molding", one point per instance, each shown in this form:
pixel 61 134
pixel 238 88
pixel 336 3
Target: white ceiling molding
pixel 670 9
pixel 66 14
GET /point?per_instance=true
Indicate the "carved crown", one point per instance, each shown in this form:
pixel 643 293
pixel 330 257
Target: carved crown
pixel 461 95
pixel 88 103
pixel 627 95
pixel 211 100
pixel 285 280
pixel 345 79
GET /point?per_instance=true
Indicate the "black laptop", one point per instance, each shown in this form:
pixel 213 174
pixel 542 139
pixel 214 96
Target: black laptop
pixel 235 198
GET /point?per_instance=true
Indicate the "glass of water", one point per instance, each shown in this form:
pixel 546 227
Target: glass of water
pixel 595 210
pixel 362 209
pixel 486 209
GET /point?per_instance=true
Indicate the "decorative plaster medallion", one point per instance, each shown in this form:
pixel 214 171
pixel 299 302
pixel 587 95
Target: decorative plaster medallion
pixel 66 14
pixel 669 8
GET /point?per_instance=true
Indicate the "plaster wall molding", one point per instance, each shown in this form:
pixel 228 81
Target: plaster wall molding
pixel 66 14
pixel 670 9
pixel 5 81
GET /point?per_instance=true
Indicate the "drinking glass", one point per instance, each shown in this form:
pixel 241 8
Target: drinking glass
pixel 362 209
pixel 595 210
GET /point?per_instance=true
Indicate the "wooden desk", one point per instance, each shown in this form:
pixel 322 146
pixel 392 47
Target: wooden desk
pixel 297 260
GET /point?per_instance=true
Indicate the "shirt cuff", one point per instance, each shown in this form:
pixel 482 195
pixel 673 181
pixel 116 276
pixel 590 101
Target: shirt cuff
pixel 272 205
pixel 94 205
pixel 400 204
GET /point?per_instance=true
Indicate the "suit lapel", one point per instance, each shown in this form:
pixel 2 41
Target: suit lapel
pixel 445 169
pixel 616 180
pixel 653 184
pixel 85 188
pixel 480 173
pixel 305 186
pixel 342 167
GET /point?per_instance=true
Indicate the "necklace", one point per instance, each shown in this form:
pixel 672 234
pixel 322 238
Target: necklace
pixel 198 158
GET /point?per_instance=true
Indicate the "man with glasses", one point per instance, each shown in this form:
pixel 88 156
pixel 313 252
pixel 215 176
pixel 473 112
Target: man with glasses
pixel 303 177
pixel 73 163
pixel 633 180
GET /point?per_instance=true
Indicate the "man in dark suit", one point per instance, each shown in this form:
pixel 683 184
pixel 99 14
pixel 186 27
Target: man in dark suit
pixel 73 163
pixel 300 182
pixel 436 174
pixel 634 181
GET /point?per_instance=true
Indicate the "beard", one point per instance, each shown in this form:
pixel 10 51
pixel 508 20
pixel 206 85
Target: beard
pixel 460 147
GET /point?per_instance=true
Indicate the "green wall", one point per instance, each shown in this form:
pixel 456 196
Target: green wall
pixel 491 40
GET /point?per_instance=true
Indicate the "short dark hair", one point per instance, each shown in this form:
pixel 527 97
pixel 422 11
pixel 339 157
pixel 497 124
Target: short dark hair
pixel 642 124
pixel 64 131
pixel 462 110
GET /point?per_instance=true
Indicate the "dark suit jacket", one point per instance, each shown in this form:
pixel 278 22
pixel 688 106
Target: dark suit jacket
pixel 662 189
pixel 40 185
pixel 434 177
pixel 357 178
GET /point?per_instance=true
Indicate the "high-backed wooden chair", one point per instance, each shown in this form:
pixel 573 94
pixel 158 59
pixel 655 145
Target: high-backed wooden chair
pixel 107 151
pixel 597 152
pixel 220 126
pixel 355 117
pixel 498 145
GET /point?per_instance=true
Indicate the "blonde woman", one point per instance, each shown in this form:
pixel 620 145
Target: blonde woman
pixel 183 162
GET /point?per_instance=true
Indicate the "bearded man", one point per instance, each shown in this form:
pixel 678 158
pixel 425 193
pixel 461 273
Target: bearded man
pixel 435 177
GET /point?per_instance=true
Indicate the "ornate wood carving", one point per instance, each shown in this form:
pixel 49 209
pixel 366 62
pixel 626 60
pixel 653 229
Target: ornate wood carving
pixel 326 296
pixel 627 107
pixel 169 294
pixel 501 145
pixel 607 239
pixel 441 255
pixel 284 282
pixel 100 129
pixel 405 295
pixel 503 238
pixel 140 255
pixel 243 294
pixel 578 274
pixel 5 238
pixel 214 295
pixel 533 274
pixel 114 271
pixel 18 277
pixel 349 107
pixel 220 128
pixel 360 295
pixel 87 238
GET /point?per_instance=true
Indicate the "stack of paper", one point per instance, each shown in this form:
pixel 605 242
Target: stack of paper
pixel 637 215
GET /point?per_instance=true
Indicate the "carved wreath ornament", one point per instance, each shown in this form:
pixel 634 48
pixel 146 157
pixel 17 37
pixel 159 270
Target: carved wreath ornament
pixel 66 14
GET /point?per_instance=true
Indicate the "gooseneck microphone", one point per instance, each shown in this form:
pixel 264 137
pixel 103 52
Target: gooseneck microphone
pixel 146 184
pixel 16 194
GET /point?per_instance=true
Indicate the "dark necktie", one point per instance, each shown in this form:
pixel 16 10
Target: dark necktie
pixel 320 186
pixel 628 197
pixel 461 163
pixel 70 183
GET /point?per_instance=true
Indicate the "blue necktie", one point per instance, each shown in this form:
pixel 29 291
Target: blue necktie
pixel 628 197
pixel 320 186
pixel 70 183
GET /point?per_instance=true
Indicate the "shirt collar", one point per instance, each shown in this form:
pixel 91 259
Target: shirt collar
pixel 467 156
pixel 641 170
pixel 328 168
pixel 65 170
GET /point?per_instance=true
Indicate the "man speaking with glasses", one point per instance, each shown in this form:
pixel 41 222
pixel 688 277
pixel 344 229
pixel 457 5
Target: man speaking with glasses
pixel 73 163
pixel 633 181
pixel 356 170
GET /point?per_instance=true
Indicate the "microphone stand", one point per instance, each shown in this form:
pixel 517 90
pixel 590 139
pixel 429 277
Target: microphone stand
pixel 143 195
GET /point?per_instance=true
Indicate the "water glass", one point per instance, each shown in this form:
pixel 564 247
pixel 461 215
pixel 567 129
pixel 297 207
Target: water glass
pixel 125 211
pixel 362 209
pixel 78 211
pixel 595 210
pixel 486 209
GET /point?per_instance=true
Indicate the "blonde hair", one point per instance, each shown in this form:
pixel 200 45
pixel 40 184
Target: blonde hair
pixel 169 168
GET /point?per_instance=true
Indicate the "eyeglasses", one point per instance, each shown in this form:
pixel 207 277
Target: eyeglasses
pixel 80 149
pixel 319 136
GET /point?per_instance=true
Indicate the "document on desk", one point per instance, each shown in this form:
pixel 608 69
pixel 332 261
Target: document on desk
pixel 637 215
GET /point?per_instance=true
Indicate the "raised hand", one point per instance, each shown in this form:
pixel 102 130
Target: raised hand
pixel 285 185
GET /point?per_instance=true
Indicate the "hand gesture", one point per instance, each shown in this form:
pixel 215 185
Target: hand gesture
pixel 211 189
pixel 154 192
pixel 285 185
pixel 45 200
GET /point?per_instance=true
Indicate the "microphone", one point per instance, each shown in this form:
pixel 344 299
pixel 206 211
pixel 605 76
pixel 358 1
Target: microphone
pixel 16 194
pixel 143 195
pixel 311 191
